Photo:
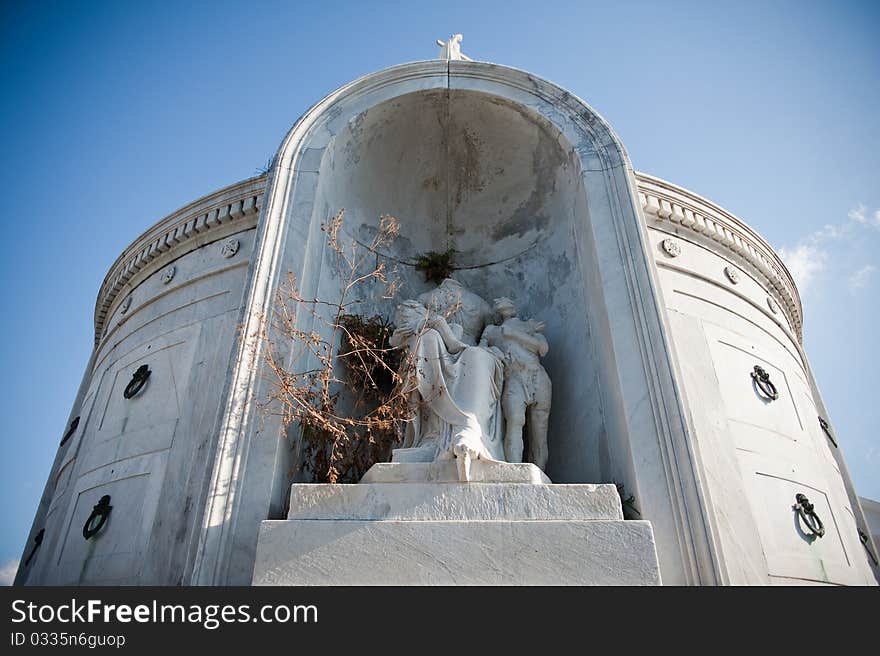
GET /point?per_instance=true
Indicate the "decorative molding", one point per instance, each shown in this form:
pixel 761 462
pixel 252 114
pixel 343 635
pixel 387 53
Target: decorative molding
pixel 718 229
pixel 671 247
pixel 186 229
pixel 732 275
pixel 229 247
pixel 168 274
pixel 126 303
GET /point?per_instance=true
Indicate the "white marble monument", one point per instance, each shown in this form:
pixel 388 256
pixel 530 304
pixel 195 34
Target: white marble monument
pixel 671 332
pixel 449 509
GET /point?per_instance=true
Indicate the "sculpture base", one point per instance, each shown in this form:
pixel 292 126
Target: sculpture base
pixel 446 471
pixel 450 533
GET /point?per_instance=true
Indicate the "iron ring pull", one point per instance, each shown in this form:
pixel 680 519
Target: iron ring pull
pixel 808 514
pixel 38 540
pixel 762 380
pixel 827 429
pixel 863 538
pixel 70 431
pixel 100 512
pixel 137 382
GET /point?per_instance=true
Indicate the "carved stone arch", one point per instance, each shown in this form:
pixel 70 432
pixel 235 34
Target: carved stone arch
pixel 632 423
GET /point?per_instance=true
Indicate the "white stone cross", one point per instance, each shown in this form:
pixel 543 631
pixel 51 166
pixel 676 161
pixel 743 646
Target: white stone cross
pixel 452 49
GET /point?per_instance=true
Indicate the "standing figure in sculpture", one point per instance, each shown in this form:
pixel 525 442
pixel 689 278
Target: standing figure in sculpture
pixel 526 396
pixel 456 383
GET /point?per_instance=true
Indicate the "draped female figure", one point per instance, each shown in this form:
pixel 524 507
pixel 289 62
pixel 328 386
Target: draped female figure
pixel 456 383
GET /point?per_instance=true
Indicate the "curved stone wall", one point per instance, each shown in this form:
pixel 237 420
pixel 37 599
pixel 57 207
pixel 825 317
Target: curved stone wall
pixel 732 306
pixel 705 223
pixel 170 303
pixel 174 299
pixel 225 212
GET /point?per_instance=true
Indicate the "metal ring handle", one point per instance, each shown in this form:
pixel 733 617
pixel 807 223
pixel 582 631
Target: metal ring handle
pixel 827 429
pixel 100 512
pixel 863 538
pixel 762 380
pixel 70 431
pixel 137 382
pixel 38 540
pixel 808 514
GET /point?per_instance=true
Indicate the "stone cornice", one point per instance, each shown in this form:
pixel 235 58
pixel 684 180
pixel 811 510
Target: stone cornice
pixel 710 224
pixel 188 227
pixel 178 233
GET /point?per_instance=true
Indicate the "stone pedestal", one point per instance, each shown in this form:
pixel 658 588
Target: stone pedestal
pixel 451 533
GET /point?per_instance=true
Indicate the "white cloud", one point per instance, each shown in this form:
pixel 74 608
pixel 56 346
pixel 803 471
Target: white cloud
pixel 808 258
pixel 860 278
pixel 7 572
pixel 857 214
pixel 804 261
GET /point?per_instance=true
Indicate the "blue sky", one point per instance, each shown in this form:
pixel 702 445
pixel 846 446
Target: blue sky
pixel 115 114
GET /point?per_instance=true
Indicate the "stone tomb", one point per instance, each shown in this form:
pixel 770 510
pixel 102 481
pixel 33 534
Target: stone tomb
pixel 657 306
pixel 464 502
pixel 500 528
pixel 497 183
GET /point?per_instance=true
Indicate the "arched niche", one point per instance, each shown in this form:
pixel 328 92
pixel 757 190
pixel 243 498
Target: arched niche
pixel 460 170
pixel 500 186
pixel 537 195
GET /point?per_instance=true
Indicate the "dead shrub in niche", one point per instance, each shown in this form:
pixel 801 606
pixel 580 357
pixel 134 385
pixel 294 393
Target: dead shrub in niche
pixel 436 266
pixel 345 389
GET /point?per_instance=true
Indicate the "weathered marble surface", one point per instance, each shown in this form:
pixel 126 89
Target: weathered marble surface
pixel 455 534
pixel 446 471
pixel 454 501
pixel 345 552
pixel 452 533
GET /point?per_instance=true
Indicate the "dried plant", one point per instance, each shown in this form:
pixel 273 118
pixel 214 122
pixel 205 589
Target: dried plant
pixel 266 168
pixel 346 388
pixel 436 266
